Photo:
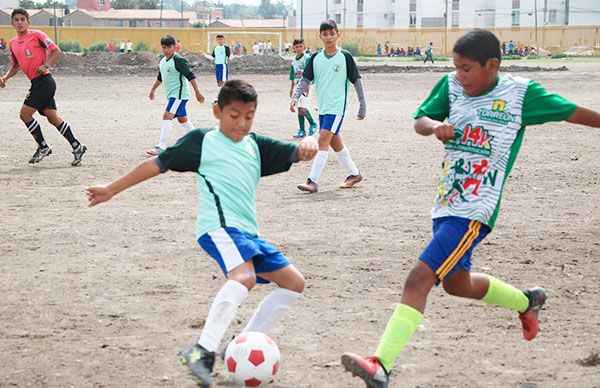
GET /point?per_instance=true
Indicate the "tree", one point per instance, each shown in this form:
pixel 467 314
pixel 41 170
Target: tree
pixel 123 4
pixel 271 11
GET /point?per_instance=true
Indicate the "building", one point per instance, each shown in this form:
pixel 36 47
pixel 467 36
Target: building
pixel 38 17
pixel 97 5
pixel 248 23
pixel 128 18
pixel 460 13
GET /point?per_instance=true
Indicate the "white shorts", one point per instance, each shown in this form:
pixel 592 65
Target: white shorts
pixel 304 102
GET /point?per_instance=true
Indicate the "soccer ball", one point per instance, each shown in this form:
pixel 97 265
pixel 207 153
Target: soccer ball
pixel 252 359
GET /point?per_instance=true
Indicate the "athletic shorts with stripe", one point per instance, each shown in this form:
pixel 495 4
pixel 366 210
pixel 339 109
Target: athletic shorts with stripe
pixel 177 107
pixel 41 93
pixel 231 247
pixel 331 123
pixel 454 239
pixel 222 72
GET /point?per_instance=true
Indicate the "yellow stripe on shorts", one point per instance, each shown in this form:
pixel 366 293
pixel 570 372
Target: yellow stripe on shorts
pixel 462 247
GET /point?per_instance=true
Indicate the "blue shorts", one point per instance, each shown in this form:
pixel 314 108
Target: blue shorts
pixel 222 72
pixel 177 107
pixel 454 239
pixel 332 123
pixel 231 247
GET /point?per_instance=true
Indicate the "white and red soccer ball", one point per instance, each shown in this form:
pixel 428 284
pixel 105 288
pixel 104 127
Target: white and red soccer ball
pixel 252 359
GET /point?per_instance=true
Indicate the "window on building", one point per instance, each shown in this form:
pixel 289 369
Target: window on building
pixel 455 19
pixel 101 3
pixel 359 20
pixel 51 21
pixel 360 5
pixel 552 16
pixel 455 5
pixel 392 19
pixel 516 4
pixel 337 17
pixel 515 18
pixel 133 23
pixel 412 6
pixel 412 19
pixel 337 1
pixel 118 23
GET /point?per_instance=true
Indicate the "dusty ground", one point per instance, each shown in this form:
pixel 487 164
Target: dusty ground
pixel 109 296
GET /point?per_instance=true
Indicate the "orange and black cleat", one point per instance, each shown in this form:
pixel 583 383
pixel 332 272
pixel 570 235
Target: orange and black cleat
pixel 529 319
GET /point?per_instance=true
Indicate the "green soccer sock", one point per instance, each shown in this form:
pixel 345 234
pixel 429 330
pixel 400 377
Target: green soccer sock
pixel 505 295
pixel 399 329
pixel 301 122
pixel 309 117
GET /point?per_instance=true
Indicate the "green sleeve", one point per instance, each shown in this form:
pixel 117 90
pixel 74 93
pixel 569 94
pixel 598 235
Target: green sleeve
pixel 292 73
pixel 309 71
pixel 184 155
pixel 437 105
pixel 183 67
pixel 275 155
pixel 541 106
pixel 351 68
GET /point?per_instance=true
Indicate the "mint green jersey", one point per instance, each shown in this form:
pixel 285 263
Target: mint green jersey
pixel 488 133
pixel 221 54
pixel 175 73
pixel 332 77
pixel 227 174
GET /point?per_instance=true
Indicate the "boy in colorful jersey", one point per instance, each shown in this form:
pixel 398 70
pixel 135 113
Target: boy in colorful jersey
pixel 28 53
pixel 487 115
pixel 175 72
pixel 332 69
pixel 296 72
pixel 228 162
pixel 221 54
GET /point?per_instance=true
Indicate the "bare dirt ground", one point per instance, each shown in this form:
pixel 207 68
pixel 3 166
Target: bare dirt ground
pixel 109 296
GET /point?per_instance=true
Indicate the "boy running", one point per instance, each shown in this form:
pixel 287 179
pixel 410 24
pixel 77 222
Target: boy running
pixel 487 114
pixel 296 72
pixel 332 69
pixel 174 71
pixel 228 162
pixel 221 54
pixel 28 52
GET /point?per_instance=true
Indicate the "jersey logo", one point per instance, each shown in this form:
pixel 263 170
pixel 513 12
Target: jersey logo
pixel 337 67
pixel 497 114
pixel 48 42
pixel 499 106
pixel 27 53
pixel 472 139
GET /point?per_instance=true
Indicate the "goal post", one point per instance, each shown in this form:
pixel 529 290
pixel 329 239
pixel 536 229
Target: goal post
pixel 246 39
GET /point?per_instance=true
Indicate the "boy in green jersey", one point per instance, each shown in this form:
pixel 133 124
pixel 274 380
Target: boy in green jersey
pixel 297 67
pixel 333 70
pixel 221 54
pixel 487 114
pixel 228 162
pixel 174 72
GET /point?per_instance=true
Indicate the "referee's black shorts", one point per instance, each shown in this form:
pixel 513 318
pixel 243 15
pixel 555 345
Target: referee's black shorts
pixel 41 93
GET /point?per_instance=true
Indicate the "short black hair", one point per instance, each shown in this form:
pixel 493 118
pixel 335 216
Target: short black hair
pixel 478 45
pixel 167 40
pixel 327 25
pixel 220 36
pixel 19 11
pixel 237 90
pixel 298 41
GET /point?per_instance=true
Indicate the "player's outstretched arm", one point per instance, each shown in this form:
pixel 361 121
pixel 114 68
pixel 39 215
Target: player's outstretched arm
pixel 199 96
pixel 426 126
pixel 145 170
pixel 585 116
pixel 14 69
pixel 154 87
pixel 360 92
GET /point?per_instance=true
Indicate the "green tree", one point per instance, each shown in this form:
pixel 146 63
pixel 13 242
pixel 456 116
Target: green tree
pixel 123 4
pixel 271 11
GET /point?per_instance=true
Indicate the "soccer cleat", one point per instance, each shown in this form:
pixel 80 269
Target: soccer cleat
pixel 367 368
pixel 309 186
pixel 155 151
pixel 78 154
pixel 299 134
pixel 350 181
pixel 200 362
pixel 312 129
pixel 40 154
pixel 529 319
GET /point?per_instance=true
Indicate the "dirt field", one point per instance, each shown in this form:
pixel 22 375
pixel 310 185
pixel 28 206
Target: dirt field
pixel 108 297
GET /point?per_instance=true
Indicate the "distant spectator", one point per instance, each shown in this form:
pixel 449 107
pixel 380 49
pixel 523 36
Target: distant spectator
pixel 255 49
pixel 237 49
pixel 262 46
pixel 511 48
pixel 111 46
pixel 378 49
pixel 386 49
pixel 503 48
pixel 270 47
pixel 286 47
pixel 429 53
pixel 410 51
pixel 2 43
pixel 178 46
pixel 418 51
pixel 129 46
pixel 122 47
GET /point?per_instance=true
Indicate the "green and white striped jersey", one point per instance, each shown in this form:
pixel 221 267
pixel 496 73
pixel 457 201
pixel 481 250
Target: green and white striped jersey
pixel 488 133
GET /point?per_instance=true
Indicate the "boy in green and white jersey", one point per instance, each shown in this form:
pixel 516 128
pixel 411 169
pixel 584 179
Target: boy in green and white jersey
pixel 297 67
pixel 487 114
pixel 228 163
pixel 333 70
pixel 174 72
pixel 221 54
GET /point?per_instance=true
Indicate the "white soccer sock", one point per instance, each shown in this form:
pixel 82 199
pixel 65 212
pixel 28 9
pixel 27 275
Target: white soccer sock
pixel 165 132
pixel 272 308
pixel 218 91
pixel 318 165
pixel 222 311
pixel 347 162
pixel 187 126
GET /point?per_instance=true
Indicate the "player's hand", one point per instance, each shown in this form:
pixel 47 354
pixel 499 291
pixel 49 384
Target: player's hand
pixel 291 93
pixel 3 82
pixel 151 95
pixel 293 105
pixel 97 194
pixel 308 148
pixel 200 97
pixel 41 70
pixel 444 132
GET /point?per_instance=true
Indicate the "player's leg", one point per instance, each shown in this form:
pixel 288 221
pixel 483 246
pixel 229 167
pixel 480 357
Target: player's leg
pixel 166 126
pixel 301 128
pixel 65 130
pixel 186 123
pixel 346 161
pixel 325 135
pixel 34 128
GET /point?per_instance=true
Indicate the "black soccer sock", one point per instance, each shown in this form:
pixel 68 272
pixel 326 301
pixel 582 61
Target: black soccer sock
pixel 36 131
pixel 65 130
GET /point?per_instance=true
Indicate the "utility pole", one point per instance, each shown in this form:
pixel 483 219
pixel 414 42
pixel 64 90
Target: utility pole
pixel 181 13
pixel 344 23
pixel 161 9
pixel 326 9
pixel 567 10
pixel 55 29
pixel 446 29
pixel 301 19
pixel 537 48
